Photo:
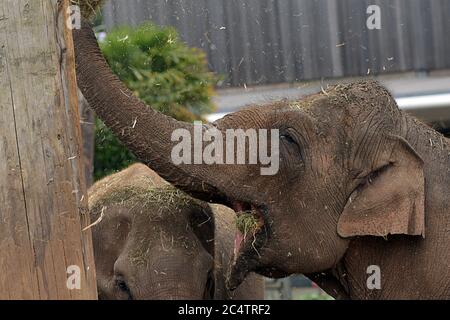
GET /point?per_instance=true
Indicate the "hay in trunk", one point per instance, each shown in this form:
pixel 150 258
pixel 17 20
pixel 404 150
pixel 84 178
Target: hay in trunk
pixel 246 223
pixel 89 8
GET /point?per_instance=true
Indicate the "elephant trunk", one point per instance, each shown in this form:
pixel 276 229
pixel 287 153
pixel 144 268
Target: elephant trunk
pixel 144 131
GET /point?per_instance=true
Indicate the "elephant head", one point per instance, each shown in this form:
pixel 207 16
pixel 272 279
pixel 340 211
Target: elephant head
pixel 349 166
pixel 345 170
pixel 151 241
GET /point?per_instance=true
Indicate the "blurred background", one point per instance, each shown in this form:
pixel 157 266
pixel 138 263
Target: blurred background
pixel 212 57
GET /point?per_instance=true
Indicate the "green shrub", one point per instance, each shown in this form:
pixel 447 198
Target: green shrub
pixel 162 71
pixel 109 154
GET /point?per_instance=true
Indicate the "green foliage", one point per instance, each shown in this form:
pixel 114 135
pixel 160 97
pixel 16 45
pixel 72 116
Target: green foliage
pixel 110 155
pixel 163 72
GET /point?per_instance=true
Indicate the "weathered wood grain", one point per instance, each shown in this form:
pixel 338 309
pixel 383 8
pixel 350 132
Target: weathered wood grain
pixel 42 188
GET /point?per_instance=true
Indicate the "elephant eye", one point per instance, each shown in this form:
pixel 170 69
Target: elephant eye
pixel 122 285
pixel 287 138
pixel 291 150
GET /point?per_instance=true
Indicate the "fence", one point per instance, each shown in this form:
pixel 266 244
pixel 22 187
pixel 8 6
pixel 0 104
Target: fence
pixel 273 41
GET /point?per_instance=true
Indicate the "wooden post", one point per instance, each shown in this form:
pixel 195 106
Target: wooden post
pixel 43 196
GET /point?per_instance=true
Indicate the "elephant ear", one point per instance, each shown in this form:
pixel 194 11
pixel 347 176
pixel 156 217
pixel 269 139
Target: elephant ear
pixel 202 222
pixel 393 203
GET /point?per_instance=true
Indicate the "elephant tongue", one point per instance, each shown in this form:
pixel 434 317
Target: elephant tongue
pixel 238 239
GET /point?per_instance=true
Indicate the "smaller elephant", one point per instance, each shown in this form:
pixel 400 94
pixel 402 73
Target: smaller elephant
pixel 152 241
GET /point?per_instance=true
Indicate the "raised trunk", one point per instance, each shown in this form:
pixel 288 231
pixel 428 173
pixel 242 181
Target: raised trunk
pixel 145 132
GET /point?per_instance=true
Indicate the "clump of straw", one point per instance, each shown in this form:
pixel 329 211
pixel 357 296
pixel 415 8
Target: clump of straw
pixel 246 222
pixel 89 8
pixel 165 198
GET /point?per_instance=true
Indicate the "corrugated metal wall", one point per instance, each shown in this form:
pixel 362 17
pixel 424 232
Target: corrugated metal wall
pixel 273 41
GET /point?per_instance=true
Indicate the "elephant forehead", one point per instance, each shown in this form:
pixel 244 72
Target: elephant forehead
pixel 355 97
pixel 162 244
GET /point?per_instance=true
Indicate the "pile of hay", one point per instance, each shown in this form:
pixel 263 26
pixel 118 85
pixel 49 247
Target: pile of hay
pixel 165 199
pixel 89 8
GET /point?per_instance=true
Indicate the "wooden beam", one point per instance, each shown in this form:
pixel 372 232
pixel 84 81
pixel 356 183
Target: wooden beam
pixel 43 198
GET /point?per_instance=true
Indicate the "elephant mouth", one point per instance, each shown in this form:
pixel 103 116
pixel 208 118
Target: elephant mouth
pixel 249 241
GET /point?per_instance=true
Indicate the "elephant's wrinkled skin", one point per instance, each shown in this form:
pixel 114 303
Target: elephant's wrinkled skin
pixel 155 242
pixel 360 183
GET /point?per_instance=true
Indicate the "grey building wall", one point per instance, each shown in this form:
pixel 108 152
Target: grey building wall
pixel 272 41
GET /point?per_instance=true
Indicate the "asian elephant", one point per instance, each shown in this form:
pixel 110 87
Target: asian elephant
pixel 361 184
pixel 153 241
